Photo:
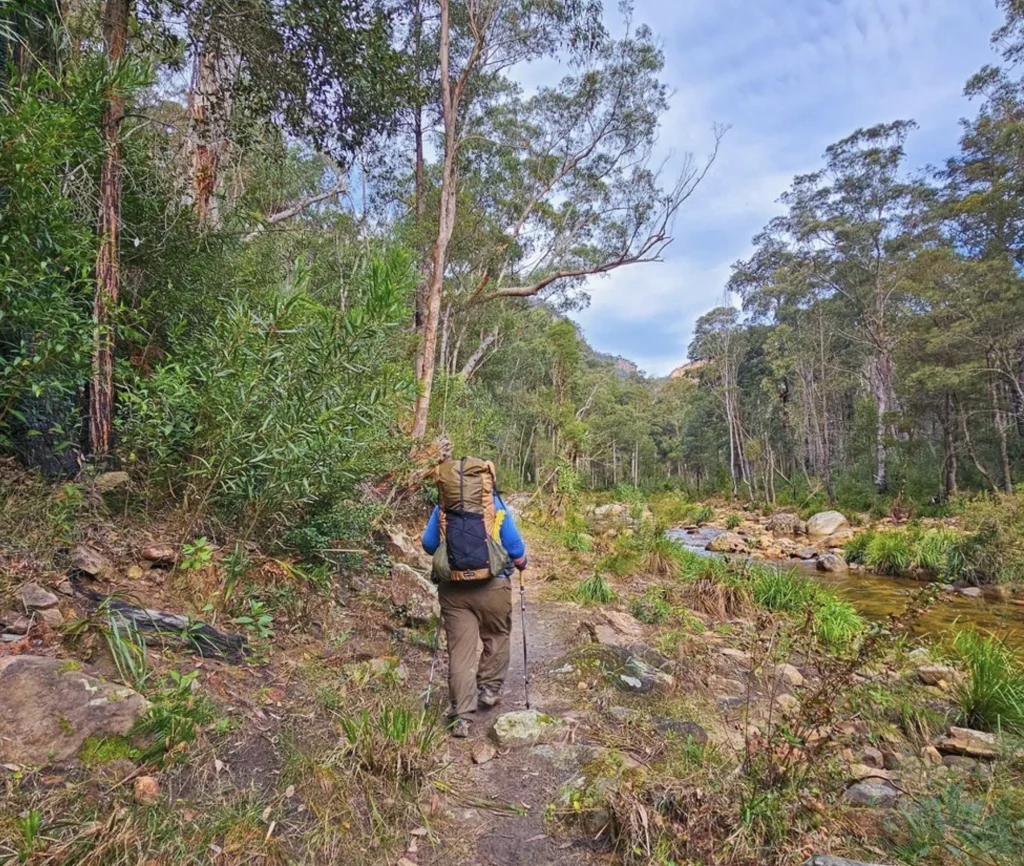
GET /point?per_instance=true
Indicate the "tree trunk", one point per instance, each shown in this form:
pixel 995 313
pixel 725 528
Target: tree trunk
pixel 949 485
pixel 999 419
pixel 108 271
pixel 427 355
pixel 969 443
pixel 210 103
pixel 882 392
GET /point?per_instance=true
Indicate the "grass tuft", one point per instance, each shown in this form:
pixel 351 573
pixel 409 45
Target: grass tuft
pixel 594 590
pixel 991 698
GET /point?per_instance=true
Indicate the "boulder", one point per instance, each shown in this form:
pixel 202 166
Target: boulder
pixel 960 763
pixel 787 524
pixel 862 772
pixel 970 744
pixel 789 675
pixel 871 793
pixel 51 707
pixel 613 517
pixel 737 655
pixel 825 523
pixel 972 592
pixel 723 687
pixel 996 593
pixel 51 616
pixel 727 542
pixel 933 675
pixel 34 597
pixel 931 757
pixel 832 563
pixel 786 703
pixel 90 561
pixel 525 728
pixel 788 547
pixel 108 482
pixel 807 553
pixel 413 595
pixel 15 623
pixel 159 554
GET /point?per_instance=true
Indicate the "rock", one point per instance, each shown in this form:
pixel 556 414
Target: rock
pixel 483 752
pixel 960 763
pixel 388 667
pixel 613 517
pixel 34 597
pixel 862 772
pixel 160 554
pixel 51 707
pixel 724 702
pixel 829 860
pixel 872 757
pixel 892 760
pixel 825 523
pixel 832 562
pixel 787 546
pixel 787 524
pixel 91 561
pixel 972 592
pixel 413 595
pixel 730 688
pixel 135 572
pixel 788 704
pixel 930 755
pixel 971 744
pixel 996 593
pixel 401 548
pixel 525 728
pixel 806 553
pixel 682 730
pixel 11 638
pixel 727 542
pixel 840 537
pixel 15 623
pixel 789 675
pixel 879 793
pixel 765 542
pixel 920 654
pixel 146 791
pixel 636 668
pixel 933 675
pixel 618 628
pixel 737 655
pixel 51 616
pixel 108 482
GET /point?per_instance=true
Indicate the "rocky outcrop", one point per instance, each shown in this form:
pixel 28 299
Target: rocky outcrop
pixel 636 669
pixel 402 548
pixel 934 675
pixel 108 482
pixel 159 554
pixel 51 707
pixel 825 523
pixel 727 542
pixel 968 743
pixel 612 518
pixel 413 595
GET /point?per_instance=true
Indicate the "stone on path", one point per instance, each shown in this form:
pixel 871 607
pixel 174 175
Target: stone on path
pixel 635 669
pixel 160 554
pixel 934 675
pixel 618 629
pixel 824 523
pixel 51 707
pixel 871 793
pixel 483 752
pixel 525 728
pixel 15 623
pixel 727 542
pixel 970 744
pixel 91 561
pixel 34 597
pixel 872 757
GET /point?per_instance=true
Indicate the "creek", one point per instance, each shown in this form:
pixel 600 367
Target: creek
pixel 877 596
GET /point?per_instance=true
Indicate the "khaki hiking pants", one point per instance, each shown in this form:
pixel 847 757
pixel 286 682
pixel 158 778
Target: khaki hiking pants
pixel 473 611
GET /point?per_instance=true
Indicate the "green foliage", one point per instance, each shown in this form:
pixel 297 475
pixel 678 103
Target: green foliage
pixel 836 623
pixel 889 553
pixel 196 555
pixel 992 696
pixel 651 607
pixel 855 550
pixel 594 590
pixel 933 549
pixel 573 534
pixel 395 742
pixel 175 717
pixel 128 650
pixel 787 591
pixel 732 521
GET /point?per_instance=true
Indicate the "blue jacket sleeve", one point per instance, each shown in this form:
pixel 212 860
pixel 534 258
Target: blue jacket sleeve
pixel 511 540
pixel 431 540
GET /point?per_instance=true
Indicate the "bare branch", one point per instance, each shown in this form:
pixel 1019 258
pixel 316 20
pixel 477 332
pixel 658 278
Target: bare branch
pixel 295 209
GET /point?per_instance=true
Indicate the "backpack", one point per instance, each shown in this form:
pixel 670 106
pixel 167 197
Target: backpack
pixel 470 524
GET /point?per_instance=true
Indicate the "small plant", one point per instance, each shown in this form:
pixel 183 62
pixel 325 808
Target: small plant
pixel 258 622
pixel 395 742
pixel 660 556
pixel 594 590
pixel 702 514
pixel 856 548
pixel 787 591
pixel 573 534
pixel 890 553
pixel 992 695
pixel 733 521
pixel 30 838
pixel 128 649
pixel 651 607
pixel 174 719
pixel 837 623
pixel 197 555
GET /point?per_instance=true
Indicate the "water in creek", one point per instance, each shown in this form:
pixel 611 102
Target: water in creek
pixel 877 596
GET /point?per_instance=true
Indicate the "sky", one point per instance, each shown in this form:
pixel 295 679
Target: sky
pixel 789 77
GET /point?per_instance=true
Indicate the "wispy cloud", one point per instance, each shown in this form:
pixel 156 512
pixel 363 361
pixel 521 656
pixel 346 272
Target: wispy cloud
pixel 790 77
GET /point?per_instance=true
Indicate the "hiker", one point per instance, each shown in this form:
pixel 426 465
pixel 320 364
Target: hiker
pixel 475 545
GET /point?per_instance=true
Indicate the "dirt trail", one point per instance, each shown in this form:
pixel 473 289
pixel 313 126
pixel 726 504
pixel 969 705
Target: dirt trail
pixel 528 779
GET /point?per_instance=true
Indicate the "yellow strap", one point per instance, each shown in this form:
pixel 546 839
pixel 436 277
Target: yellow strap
pixel 499 518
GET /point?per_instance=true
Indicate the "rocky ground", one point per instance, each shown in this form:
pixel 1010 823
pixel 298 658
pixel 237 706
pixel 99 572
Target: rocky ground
pixel 703 739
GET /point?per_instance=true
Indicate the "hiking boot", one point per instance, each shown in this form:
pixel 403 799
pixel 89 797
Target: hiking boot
pixel 459 728
pixel 487 697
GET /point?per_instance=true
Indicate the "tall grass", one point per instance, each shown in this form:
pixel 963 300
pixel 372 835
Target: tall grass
pixel 890 553
pixel 836 622
pixel 651 607
pixel 991 697
pixel 594 590
pixel 787 591
pixel 933 549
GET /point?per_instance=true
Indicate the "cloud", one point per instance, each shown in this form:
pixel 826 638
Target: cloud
pixel 790 77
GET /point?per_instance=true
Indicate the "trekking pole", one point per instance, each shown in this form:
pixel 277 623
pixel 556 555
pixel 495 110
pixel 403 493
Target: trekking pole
pixel 522 614
pixel 433 662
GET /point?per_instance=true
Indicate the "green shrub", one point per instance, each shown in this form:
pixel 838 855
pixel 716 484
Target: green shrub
pixel 573 534
pixel 889 553
pixel 932 550
pixel 776 589
pixel 856 548
pixel 594 590
pixel 992 550
pixel 991 698
pixel 836 623
pixel 732 521
pixel 651 607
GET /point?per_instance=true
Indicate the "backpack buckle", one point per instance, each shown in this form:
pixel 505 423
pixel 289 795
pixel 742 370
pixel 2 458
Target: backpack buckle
pixel 469 574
